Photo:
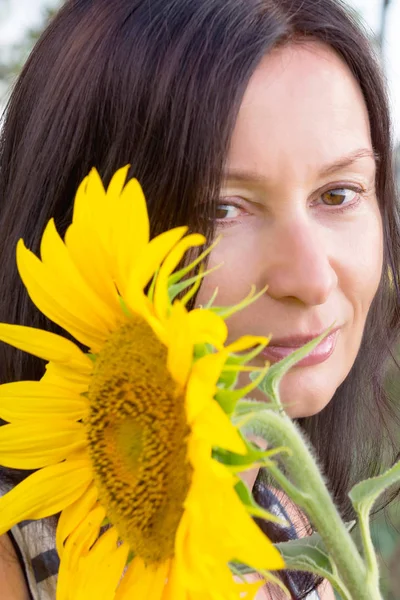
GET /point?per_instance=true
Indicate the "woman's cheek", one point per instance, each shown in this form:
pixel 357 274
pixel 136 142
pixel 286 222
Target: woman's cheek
pixel 238 270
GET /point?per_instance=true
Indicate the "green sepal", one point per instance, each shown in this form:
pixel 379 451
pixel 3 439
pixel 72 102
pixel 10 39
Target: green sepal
pixel 253 508
pixel 178 275
pixel 227 311
pixel 228 378
pixel 241 570
pixel 177 288
pixel 227 399
pixel 269 385
pixel 150 293
pixel 211 301
pixel 248 406
pixel 201 350
pixel 252 458
pixel 364 494
pixel 125 309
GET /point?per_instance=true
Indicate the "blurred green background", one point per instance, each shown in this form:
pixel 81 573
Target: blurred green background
pixel 21 29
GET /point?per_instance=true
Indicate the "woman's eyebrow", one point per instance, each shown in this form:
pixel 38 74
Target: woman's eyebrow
pixel 246 176
pixel 348 160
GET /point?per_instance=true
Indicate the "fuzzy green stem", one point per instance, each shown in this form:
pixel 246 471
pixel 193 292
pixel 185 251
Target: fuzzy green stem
pixel 369 551
pixel 313 497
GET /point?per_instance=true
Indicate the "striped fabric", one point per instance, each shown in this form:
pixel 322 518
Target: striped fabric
pixel 39 558
pixel 35 541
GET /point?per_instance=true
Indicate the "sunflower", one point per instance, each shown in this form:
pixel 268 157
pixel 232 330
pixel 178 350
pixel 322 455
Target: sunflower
pixel 120 434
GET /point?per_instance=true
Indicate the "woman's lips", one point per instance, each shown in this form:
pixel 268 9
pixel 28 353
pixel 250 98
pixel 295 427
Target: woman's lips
pixel 320 354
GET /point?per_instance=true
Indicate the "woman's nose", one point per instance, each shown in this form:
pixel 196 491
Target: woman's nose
pixel 299 264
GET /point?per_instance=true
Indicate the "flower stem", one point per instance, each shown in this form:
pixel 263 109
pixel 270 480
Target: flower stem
pixel 369 551
pixel 313 497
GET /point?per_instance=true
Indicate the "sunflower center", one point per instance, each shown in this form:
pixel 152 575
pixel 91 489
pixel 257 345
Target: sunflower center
pixel 137 432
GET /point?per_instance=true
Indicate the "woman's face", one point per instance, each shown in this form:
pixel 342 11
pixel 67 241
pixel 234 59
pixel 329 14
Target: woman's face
pixel 298 212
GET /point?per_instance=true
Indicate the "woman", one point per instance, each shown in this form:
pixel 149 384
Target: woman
pixel 264 119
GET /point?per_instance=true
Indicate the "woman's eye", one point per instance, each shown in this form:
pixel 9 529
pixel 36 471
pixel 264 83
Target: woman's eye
pixel 339 196
pixel 227 211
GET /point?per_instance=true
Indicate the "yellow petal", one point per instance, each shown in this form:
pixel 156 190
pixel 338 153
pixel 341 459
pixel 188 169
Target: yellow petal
pixel 213 425
pixel 149 260
pixel 84 536
pixel 78 544
pixel 44 493
pixel 245 342
pixel 80 202
pixel 180 346
pixel 131 231
pixel 93 212
pixel 89 237
pixel 30 400
pixel 73 515
pixel 32 445
pixel 143 582
pixel 46 345
pixel 56 258
pixel 161 298
pixel 175 588
pixel 98 207
pixel 94 264
pixel 207 327
pixel 91 195
pixel 202 383
pixel 116 185
pixel 247 542
pixel 104 558
pixel 63 376
pixel 134 574
pixel 59 302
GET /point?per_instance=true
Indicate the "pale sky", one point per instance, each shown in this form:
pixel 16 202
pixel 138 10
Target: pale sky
pixel 18 15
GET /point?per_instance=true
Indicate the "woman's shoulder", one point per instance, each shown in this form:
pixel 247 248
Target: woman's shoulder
pixel 28 559
pixel 12 580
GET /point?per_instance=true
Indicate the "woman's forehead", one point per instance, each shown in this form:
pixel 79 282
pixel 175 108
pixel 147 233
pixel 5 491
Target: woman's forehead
pixel 301 105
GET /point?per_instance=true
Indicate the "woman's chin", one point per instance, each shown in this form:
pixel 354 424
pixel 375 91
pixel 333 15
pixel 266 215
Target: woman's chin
pixel 305 391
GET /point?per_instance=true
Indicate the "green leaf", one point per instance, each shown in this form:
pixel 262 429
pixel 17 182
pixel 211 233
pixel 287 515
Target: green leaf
pixel 306 553
pixel 269 385
pixel 364 494
pixel 309 554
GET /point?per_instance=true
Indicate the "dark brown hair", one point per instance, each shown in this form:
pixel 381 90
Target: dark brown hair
pixel 157 84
